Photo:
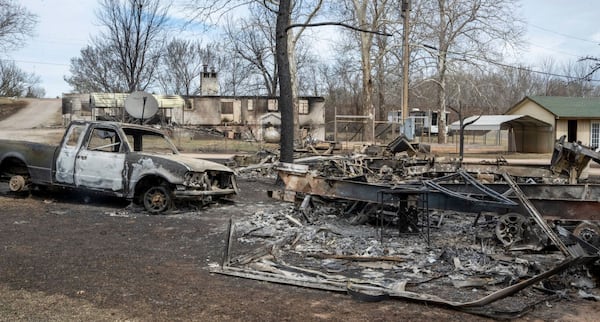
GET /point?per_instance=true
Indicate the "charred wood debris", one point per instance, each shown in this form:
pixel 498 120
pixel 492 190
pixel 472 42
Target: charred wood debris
pixel 393 222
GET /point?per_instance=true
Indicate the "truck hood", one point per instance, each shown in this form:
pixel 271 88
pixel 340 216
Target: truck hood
pixel 193 164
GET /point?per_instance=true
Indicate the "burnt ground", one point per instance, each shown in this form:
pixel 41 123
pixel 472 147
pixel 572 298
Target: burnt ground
pixel 71 257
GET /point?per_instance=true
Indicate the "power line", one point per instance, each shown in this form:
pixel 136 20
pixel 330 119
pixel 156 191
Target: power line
pixel 554 50
pixel 526 69
pixel 564 35
pixel 34 62
pixel 511 66
pixel 61 42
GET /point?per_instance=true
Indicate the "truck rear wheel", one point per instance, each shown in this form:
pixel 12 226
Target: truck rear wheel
pixel 157 199
pixel 17 183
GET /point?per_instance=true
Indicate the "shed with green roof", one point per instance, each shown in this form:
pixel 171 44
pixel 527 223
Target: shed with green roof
pixel 576 117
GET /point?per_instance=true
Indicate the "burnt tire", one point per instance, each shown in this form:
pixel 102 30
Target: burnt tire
pixel 589 232
pixel 157 199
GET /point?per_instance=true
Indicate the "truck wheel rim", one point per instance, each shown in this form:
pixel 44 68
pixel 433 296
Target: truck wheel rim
pixel 156 200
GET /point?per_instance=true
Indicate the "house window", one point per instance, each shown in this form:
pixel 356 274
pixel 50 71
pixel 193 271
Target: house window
pixel 303 107
pixel 272 105
pixel 434 119
pixel 226 107
pixel 595 135
pixel 250 105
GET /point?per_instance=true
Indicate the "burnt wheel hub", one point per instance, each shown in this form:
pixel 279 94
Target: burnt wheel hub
pixel 510 228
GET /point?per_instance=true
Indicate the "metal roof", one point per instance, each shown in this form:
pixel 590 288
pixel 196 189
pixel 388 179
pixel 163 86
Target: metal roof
pixel 108 100
pixel 170 101
pixel 573 107
pixel 498 122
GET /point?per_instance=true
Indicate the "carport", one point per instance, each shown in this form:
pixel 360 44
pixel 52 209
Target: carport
pixel 525 133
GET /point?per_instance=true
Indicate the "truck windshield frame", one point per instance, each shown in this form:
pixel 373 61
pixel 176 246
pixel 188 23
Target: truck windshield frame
pixel 141 140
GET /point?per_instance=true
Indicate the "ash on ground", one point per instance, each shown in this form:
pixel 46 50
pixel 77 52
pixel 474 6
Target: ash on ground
pixel 460 261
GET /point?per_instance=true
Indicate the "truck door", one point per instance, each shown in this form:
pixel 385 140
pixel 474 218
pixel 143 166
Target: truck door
pixel 65 160
pixel 100 163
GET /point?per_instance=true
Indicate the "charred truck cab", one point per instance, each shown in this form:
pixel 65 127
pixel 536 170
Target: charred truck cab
pixel 125 160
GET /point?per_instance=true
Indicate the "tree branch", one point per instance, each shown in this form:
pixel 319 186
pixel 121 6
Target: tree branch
pixel 336 24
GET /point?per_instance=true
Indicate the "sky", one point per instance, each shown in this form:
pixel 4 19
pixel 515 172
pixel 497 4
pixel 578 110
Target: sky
pixel 64 28
pixel 560 29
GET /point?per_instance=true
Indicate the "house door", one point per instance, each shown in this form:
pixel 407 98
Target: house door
pixel 572 131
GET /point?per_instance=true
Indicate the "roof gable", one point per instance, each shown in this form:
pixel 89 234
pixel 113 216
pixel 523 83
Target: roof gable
pixel 572 107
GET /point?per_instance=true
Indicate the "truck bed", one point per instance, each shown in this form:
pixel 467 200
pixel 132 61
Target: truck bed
pixel 37 156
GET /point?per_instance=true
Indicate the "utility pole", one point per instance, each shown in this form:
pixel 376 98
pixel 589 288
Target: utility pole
pixel 405 59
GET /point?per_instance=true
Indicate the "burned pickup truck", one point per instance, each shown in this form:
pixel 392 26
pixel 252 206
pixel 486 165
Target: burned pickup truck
pixel 125 160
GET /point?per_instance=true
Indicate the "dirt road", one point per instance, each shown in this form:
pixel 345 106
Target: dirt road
pixel 43 115
pixel 38 113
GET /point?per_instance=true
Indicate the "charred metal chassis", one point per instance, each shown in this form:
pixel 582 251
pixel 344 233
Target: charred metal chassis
pixel 555 201
pixel 297 178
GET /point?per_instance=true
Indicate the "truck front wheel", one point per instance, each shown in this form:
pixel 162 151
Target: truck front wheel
pixel 157 199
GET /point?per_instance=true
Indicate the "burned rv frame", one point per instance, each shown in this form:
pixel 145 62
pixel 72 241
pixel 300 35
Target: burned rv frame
pixel 572 205
pixel 377 190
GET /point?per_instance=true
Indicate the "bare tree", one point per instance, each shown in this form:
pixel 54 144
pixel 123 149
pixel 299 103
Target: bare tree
pixel 253 40
pixel 302 16
pixel 16 24
pixel 132 39
pixel 464 30
pixel 234 75
pixel 94 71
pixel 15 82
pixel 494 89
pixel 577 78
pixel 308 72
pixel 594 65
pixel 35 91
pixel 283 9
pixel 342 88
pixel 182 65
pixel 368 16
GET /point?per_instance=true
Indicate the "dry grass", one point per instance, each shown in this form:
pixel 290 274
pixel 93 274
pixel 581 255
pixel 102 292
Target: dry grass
pixel 9 106
pixel 221 145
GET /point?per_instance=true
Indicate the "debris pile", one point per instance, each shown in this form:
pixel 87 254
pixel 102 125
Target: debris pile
pixel 488 239
pixel 463 264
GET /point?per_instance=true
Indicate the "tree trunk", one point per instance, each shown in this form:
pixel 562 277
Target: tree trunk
pixel 368 108
pixel 294 84
pixel 442 110
pixel 442 101
pixel 382 115
pixel 285 83
pixel 442 53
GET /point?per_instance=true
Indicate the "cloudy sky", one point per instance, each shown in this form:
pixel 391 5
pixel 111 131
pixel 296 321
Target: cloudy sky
pixel 563 30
